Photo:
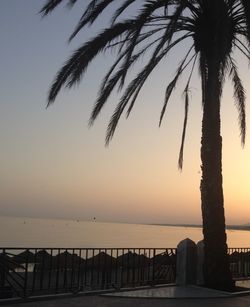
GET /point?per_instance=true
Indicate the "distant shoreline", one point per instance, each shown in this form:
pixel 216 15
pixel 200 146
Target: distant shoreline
pixel 228 227
pixel 245 227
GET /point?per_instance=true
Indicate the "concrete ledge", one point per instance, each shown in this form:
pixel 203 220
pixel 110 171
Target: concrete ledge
pixel 18 300
pixel 169 291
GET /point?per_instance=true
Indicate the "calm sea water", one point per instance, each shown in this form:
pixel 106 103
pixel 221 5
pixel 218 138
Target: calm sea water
pixel 28 232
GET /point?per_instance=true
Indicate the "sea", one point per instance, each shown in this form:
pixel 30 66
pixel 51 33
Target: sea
pixel 55 233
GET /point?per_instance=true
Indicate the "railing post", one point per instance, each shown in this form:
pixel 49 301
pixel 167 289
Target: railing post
pixel 2 270
pixel 153 268
pixel 5 290
pixel 26 273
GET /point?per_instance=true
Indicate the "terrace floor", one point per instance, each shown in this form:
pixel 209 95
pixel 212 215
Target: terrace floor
pixel 170 296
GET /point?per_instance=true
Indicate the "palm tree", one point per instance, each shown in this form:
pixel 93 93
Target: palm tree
pixel 210 31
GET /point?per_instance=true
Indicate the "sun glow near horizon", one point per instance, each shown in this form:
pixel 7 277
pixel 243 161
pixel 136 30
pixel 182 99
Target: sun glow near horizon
pixel 52 165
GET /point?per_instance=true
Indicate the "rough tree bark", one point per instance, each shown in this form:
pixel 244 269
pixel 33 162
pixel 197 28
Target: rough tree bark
pixel 216 263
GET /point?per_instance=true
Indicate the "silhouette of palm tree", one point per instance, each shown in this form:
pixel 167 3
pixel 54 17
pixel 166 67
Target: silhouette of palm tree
pixel 212 30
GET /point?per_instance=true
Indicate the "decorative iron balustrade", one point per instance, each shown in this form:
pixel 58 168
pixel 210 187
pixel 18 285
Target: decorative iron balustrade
pixel 41 271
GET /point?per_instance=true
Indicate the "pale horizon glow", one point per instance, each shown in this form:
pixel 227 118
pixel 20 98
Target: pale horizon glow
pixel 53 166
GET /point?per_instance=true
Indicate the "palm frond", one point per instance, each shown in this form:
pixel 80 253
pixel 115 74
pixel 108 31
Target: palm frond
pixel 140 22
pixel 108 84
pixel 49 7
pixel 92 12
pixel 246 8
pixel 242 50
pixel 106 90
pixel 183 137
pixel 245 50
pixel 180 160
pixel 172 26
pixel 122 55
pixel 156 27
pixel 121 9
pixel 134 87
pixel 155 59
pixel 77 64
pixel 172 84
pixel 240 99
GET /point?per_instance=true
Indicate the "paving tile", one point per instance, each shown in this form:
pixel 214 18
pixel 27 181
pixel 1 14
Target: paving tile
pixel 171 292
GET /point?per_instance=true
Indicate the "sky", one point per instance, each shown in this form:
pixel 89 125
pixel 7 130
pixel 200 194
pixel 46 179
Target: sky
pixel 53 166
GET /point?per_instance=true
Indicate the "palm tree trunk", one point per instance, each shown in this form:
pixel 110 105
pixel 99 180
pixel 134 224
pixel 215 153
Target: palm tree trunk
pixel 216 263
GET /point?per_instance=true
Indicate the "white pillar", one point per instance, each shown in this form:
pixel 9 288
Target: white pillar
pixel 186 263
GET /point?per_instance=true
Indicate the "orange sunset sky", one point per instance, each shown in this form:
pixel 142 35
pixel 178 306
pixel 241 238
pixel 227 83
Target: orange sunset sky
pixel 53 165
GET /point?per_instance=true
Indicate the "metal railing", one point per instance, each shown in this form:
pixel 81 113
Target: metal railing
pixel 31 272
pixel 26 272
pixel 239 259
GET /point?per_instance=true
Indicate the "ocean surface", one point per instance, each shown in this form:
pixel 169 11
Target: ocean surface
pixel 31 232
